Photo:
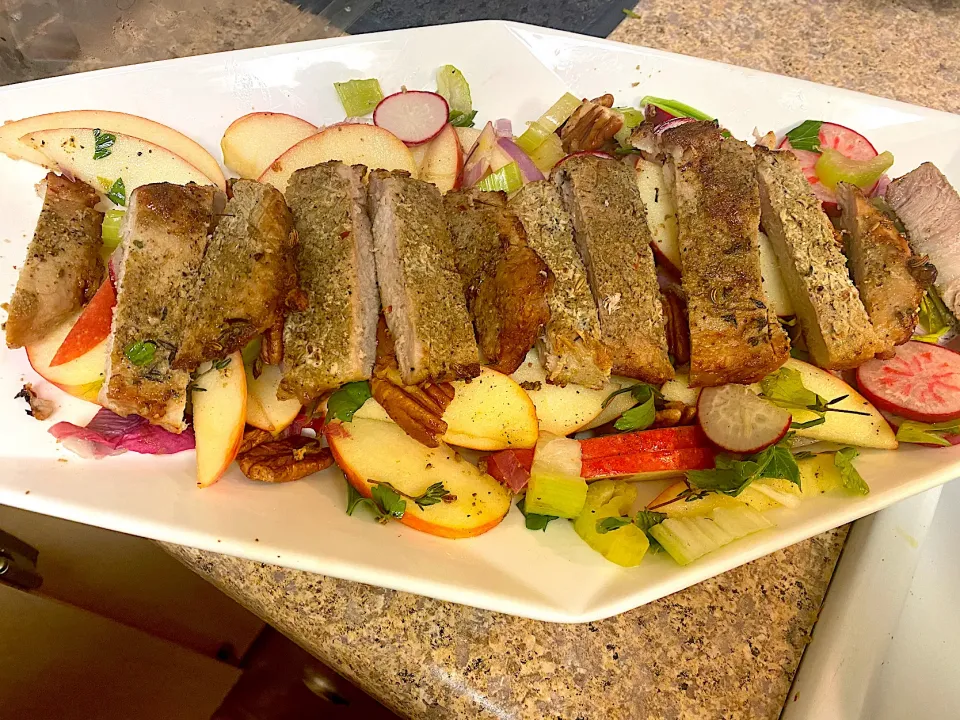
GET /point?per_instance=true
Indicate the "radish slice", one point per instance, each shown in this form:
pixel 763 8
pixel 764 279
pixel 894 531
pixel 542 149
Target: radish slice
pixel 848 142
pixel 672 122
pixel 737 420
pixel 921 382
pixel 414 116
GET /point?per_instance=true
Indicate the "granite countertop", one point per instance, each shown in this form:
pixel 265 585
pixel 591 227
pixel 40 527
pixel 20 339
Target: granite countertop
pixel 726 648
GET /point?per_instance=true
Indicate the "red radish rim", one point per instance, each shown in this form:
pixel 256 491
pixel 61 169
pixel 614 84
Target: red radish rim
pixel 774 436
pixel 412 96
pixel 870 385
pixel 808 159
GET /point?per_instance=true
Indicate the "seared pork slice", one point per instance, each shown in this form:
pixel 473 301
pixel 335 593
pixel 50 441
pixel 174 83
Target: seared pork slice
pixel 880 259
pixel 571 348
pixel 247 271
pixel 333 339
pixel 835 324
pixel 734 336
pixel 164 236
pixel 505 282
pixel 929 208
pixel 420 288
pixel 63 267
pixel 611 232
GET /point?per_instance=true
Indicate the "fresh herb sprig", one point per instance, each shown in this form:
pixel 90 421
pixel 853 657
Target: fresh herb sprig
pixel 387 502
pixel 911 431
pixel 732 476
pixel 785 389
pixel 345 402
pixel 102 143
pixel 644 519
pixel 643 414
pixel 806 136
pixel 534 521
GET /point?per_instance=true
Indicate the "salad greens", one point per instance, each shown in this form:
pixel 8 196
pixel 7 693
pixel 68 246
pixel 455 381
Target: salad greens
pixel 911 431
pixel 806 136
pixel 359 97
pixel 102 142
pixel 347 400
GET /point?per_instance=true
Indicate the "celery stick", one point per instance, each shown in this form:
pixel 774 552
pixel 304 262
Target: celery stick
pixel 625 545
pixel 453 87
pixel 110 230
pixel 559 112
pixel 533 137
pixel 676 108
pixel 833 167
pixel 557 495
pixel 689 538
pixel 548 154
pixel 359 97
pixel 508 178
pixel 631 118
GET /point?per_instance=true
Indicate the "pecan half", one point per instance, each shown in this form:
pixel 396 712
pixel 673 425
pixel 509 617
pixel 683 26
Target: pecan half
pixel 418 409
pixel 591 125
pixel 271 346
pixel 675 325
pixel 674 413
pixel 252 437
pixel 284 460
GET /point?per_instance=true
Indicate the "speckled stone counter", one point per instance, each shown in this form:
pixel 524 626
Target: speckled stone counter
pixel 727 648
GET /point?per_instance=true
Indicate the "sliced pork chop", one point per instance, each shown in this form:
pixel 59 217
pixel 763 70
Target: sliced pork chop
pixel 835 324
pixel 734 336
pixel 572 349
pixel 929 208
pixel 247 272
pixel 880 259
pixel 505 282
pixel 612 235
pixel 333 339
pixel 420 288
pixel 63 267
pixel 164 236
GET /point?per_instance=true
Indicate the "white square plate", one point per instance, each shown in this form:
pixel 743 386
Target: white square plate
pixel 515 71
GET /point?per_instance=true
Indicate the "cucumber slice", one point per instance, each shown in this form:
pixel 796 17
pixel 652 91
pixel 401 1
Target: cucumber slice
pixel 689 538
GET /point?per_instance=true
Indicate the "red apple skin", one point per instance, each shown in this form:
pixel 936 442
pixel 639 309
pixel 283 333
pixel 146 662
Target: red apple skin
pixel 91 328
pixel 652 463
pixel 658 440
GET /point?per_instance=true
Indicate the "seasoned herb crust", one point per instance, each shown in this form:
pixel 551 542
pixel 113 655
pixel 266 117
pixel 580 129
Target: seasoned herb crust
pixel 331 341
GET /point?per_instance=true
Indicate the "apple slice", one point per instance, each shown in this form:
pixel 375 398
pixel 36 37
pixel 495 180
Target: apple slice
pixel 136 161
pixel 255 140
pixel 91 328
pixel 264 410
pixel 219 412
pixel 490 412
pixel 641 441
pixel 563 409
pixel 371 452
pixel 351 143
pixel 773 286
pixel 661 212
pixel 871 430
pixel 649 465
pixel 113 122
pixel 467 137
pixel 80 377
pixel 443 160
